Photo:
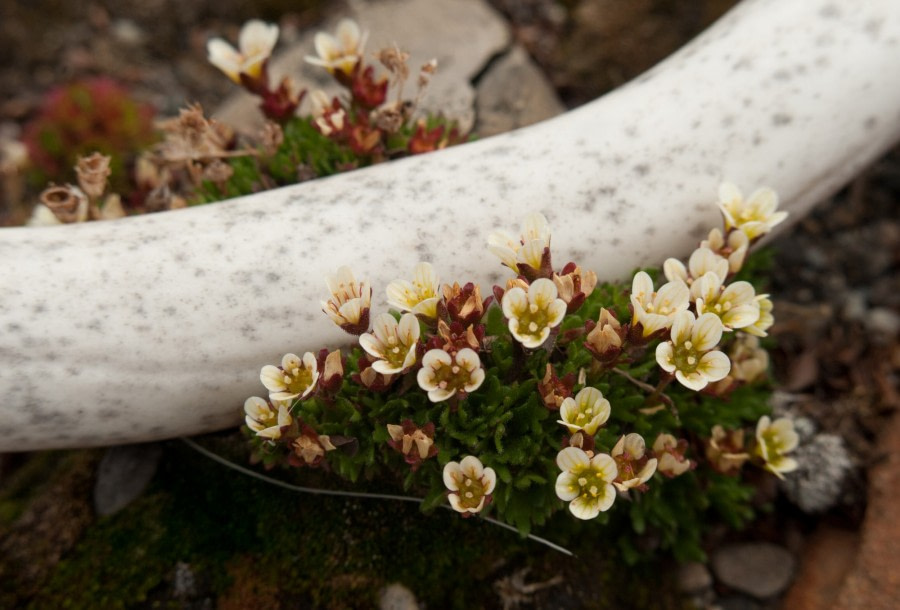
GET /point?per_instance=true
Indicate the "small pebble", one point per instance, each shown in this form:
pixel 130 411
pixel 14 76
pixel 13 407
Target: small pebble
pixel 397 597
pixel 123 475
pixel 760 569
pixel 693 577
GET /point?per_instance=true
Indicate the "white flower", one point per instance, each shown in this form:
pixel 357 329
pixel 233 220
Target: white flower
pixel 349 303
pixel 528 250
pixel 765 320
pixel 342 51
pixel 734 249
pixel 749 361
pixel 256 41
pixel 531 315
pixel 634 466
pixel 443 375
pixel 326 117
pixel 262 417
pixel 42 216
pixel 702 261
pixel 756 216
pixel 735 304
pixel 419 296
pixel 393 344
pixel 586 482
pixel 670 453
pixel 470 484
pixel 773 441
pixel 656 310
pixel 294 378
pixel 587 411
pixel 691 354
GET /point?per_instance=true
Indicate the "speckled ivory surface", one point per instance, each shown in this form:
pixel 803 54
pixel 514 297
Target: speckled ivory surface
pixel 157 326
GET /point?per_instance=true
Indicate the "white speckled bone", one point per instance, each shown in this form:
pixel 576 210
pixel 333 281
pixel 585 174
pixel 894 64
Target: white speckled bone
pixel 157 326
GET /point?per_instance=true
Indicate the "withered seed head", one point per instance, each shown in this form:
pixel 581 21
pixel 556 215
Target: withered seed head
pixel 93 172
pixel 395 61
pixel 68 203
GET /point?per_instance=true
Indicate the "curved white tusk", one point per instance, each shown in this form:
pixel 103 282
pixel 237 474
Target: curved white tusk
pixel 157 326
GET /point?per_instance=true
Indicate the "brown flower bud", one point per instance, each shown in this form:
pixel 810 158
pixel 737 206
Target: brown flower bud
pixel 332 367
pixel 68 203
pixel 93 172
pixel 554 390
pixel 725 450
pixel 309 448
pixel 416 444
pixel 462 304
pixel 574 285
pixel 604 340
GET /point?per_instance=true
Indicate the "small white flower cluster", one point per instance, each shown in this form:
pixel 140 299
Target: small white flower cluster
pixel 702 285
pixel 393 346
pixel 438 336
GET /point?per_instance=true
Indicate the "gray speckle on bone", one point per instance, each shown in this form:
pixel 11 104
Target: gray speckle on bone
pixel 463 35
pixel 147 374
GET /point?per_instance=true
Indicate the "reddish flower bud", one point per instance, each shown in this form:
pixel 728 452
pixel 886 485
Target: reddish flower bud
pixel 554 390
pixel 416 444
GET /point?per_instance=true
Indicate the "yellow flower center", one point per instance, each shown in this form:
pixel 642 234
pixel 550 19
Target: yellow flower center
pixel 533 319
pixel 470 492
pixel 685 357
pixel 451 377
pixel 298 380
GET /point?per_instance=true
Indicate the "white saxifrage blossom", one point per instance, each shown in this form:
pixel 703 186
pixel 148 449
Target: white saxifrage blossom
pixel 749 361
pixel 656 310
pixel 773 441
pixel 392 343
pixel 255 44
pixel 690 353
pixel 267 420
pixel 294 378
pixel 586 482
pixel 533 314
pixel 734 248
pixel 470 484
pixel 443 375
pixel 672 462
pixel 528 250
pixel 587 411
pixel 350 301
pixel 634 466
pixel 341 52
pixel 735 304
pixel 701 262
pixel 766 319
pixel 420 296
pixel 756 216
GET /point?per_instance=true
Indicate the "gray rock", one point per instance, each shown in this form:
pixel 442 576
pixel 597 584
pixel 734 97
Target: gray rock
pixel 463 35
pixel 824 468
pixel 855 306
pixel 184 583
pixel 123 474
pixel 693 577
pixel 513 93
pixel 883 324
pixel 397 597
pixel 760 569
